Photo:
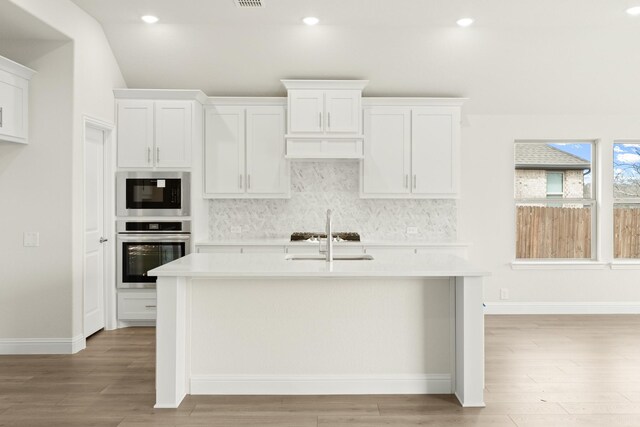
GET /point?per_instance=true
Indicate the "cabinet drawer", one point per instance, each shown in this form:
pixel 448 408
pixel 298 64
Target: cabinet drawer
pixel 219 249
pixel 137 305
pixel 389 250
pixel 266 249
pixel 314 249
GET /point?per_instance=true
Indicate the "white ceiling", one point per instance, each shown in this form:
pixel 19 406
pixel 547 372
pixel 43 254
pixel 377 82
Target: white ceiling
pixel 16 24
pixel 534 56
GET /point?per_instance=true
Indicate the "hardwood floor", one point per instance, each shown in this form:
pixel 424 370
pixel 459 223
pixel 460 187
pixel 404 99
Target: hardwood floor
pixel 541 371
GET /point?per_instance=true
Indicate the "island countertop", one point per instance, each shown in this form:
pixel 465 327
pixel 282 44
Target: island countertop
pixel 276 265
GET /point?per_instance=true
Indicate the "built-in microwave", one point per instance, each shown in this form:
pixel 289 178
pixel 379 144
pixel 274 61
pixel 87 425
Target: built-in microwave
pixel 153 194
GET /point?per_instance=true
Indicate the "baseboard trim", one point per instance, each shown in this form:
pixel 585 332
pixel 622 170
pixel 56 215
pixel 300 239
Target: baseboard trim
pixel 42 345
pixel 321 384
pixel 562 308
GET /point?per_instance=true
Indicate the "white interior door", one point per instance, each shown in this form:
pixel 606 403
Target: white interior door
pixel 94 277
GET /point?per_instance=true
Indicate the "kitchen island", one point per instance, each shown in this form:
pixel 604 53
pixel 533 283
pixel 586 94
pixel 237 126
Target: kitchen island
pixel 263 324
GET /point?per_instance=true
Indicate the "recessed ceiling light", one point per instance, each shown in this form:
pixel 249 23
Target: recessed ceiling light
pixel 311 20
pixel 150 19
pixel 464 22
pixel 635 10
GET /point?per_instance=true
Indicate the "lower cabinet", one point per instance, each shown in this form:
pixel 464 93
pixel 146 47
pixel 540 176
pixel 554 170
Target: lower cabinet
pixel 136 304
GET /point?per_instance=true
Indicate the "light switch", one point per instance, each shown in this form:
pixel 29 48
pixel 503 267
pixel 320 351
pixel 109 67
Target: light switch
pixel 31 239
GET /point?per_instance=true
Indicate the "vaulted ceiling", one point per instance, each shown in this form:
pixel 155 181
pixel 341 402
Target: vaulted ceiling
pixel 519 57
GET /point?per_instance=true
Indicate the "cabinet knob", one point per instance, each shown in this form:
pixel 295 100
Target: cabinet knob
pixel 0 117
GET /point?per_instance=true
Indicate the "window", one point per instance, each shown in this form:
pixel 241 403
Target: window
pixel 626 193
pixel 564 227
pixel 555 185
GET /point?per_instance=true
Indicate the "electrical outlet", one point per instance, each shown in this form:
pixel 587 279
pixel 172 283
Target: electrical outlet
pixel 236 229
pixel 412 230
pixel 31 239
pixel 504 293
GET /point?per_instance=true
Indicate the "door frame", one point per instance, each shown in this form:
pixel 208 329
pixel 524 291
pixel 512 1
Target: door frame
pixel 108 216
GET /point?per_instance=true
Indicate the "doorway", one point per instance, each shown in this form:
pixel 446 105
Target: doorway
pixel 98 301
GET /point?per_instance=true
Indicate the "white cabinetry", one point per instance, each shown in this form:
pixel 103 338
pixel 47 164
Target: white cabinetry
pixel 244 152
pixel 324 118
pixel 14 101
pixel 154 133
pixel 411 151
pixel 137 305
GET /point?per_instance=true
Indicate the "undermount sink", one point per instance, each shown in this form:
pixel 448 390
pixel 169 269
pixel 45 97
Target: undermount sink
pixel 320 257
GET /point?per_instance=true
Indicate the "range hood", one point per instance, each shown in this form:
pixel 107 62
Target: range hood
pixel 324 119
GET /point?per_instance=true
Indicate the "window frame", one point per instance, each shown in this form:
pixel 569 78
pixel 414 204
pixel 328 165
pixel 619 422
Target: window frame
pixel 592 202
pixel 620 201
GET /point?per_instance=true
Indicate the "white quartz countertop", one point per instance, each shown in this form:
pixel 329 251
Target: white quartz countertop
pixel 276 265
pixel 287 242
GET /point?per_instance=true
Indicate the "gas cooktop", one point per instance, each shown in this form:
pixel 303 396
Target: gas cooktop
pixel 315 237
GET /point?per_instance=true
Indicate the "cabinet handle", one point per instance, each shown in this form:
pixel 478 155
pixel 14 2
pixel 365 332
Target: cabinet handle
pixel 157 154
pixel 1 117
pixel 240 180
pixel 148 154
pixel 320 120
pixel 150 306
pixel 249 181
pixel 415 181
pixel 329 120
pixel 406 181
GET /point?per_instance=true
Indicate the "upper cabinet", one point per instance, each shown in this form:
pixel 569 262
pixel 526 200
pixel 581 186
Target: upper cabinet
pixel 14 101
pixel 244 152
pixel 412 148
pixel 324 119
pixel 154 133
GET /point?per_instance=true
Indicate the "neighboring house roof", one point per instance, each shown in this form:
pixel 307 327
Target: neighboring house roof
pixel 545 156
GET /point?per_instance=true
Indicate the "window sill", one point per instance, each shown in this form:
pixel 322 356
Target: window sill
pixel 558 265
pixel 630 264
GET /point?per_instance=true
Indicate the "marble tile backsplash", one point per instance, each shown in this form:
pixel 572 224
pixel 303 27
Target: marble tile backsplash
pixel 318 186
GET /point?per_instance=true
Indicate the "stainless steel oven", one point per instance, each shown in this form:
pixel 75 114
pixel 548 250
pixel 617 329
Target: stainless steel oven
pixel 145 245
pixel 153 194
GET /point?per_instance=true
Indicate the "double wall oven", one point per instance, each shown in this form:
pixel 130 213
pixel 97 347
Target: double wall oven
pixel 145 245
pixel 147 238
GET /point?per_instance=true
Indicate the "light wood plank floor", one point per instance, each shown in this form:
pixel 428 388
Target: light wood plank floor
pixel 541 371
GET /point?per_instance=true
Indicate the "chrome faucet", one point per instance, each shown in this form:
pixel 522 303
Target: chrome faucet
pixel 329 232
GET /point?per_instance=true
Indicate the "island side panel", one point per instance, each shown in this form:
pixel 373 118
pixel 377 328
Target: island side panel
pixel 469 342
pixel 171 342
pixel 321 335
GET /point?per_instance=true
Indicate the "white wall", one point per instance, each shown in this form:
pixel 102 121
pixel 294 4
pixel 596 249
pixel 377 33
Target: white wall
pixel 487 210
pixel 94 73
pixel 35 283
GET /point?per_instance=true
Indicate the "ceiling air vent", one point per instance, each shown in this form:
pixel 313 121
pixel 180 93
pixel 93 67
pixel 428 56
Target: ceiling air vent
pixel 249 3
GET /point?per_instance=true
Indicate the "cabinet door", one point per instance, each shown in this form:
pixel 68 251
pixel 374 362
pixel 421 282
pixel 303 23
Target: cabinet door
pixel 387 150
pixel 135 134
pixel 435 140
pixel 173 133
pixel 266 166
pixel 343 111
pixel 306 111
pixel 13 106
pixel 224 150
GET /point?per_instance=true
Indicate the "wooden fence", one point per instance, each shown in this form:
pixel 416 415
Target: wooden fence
pixel 626 232
pixel 550 232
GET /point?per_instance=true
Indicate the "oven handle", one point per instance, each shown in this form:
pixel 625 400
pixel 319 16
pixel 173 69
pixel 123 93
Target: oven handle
pixel 154 238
